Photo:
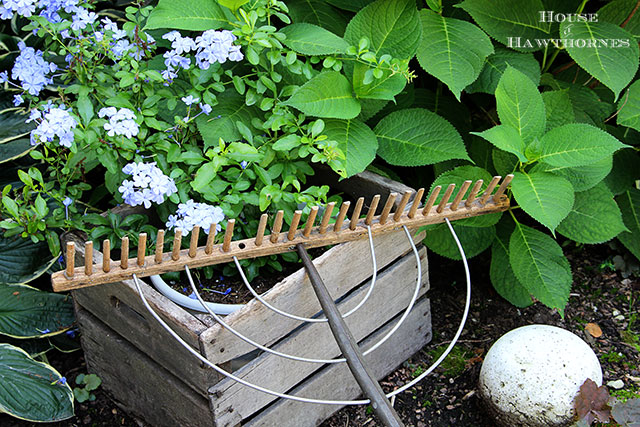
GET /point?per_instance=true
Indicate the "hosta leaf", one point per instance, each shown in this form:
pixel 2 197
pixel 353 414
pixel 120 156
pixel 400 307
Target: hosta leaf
pixel 416 137
pixel 506 22
pixel 13 125
pixel 386 87
pixel 474 240
pixel 15 149
pixel 26 312
pixel 192 15
pixel 446 52
pixel 317 12
pixel 310 39
pixel 614 66
pixel 558 108
pixel 497 63
pixel 326 95
pixel 31 390
pixel 540 266
pixel 582 177
pixel 356 140
pixel 505 138
pixel 576 144
pixel 629 107
pixel 21 260
pixel 231 108
pixel 618 11
pixel 594 218
pixel 502 277
pixel 548 198
pixel 392 26
pixel 629 203
pixel 520 105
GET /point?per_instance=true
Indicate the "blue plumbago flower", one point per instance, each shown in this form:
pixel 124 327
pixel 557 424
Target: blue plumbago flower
pixel 109 25
pixel 121 48
pixel 52 7
pixel 206 108
pixel 121 122
pixel 31 69
pixel 149 184
pixel 57 122
pixel 243 164
pixel 190 100
pixel 67 202
pixel 82 18
pixel 60 381
pixel 45 331
pixel 4 77
pixel 190 214
pixel 17 100
pixel 24 8
pixel 71 333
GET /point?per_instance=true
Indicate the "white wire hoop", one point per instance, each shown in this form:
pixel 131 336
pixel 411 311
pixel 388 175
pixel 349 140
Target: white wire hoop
pixel 323 401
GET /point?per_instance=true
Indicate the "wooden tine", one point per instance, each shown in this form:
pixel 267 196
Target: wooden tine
pixel 445 198
pixel 71 259
pixel 341 215
pixel 489 190
pixel 324 223
pixel 387 207
pixel 294 225
pixel 177 243
pixel 372 209
pixel 88 258
pixel 124 253
pixel 431 200
pixel 142 248
pixel 355 216
pixel 261 227
pixel 463 190
pixel 310 220
pixel 228 234
pixel 503 186
pixel 106 255
pixel 416 203
pixel 211 238
pixel 403 203
pixel 193 243
pixel 159 246
pixel 474 191
pixel 277 226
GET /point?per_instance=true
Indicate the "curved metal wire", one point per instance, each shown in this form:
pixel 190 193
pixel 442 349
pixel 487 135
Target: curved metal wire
pixel 322 401
pixel 320 319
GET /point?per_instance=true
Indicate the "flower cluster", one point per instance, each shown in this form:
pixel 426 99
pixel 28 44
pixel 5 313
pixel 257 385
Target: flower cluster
pixel 50 9
pixel 31 69
pixel 57 122
pixel 121 122
pixel 148 184
pixel 210 47
pixel 191 214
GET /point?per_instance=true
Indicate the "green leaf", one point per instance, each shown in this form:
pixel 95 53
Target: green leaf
pixel 540 266
pixel 520 105
pixel 326 95
pixel 231 108
pixel 356 140
pixel 606 51
pixel 26 312
pixel 386 87
pixel 447 53
pixel 350 5
pixel 416 137
pixel 629 107
pixel 558 107
pixel 502 277
pixel 582 177
pixel 505 138
pixel 15 149
pixel 576 144
pixel 548 198
pixel 625 170
pixel 474 240
pixel 392 27
pixel 310 39
pixel 497 63
pixel 233 4
pixel 286 143
pixel 509 23
pixel 618 11
pixel 85 107
pixel 629 203
pixel 594 218
pixel 21 260
pixel 204 176
pixel 191 15
pixel 319 13
pixel 240 151
pixel 13 125
pixel 31 390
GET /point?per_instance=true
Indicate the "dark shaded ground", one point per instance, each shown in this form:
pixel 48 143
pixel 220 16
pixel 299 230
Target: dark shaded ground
pixel 600 295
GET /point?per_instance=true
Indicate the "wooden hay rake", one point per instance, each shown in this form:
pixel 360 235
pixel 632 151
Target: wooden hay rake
pixel 299 238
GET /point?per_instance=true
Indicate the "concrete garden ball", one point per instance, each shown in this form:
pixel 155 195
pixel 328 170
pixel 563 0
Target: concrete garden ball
pixel 531 375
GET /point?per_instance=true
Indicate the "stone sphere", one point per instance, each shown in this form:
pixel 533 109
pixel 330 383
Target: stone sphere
pixel 531 375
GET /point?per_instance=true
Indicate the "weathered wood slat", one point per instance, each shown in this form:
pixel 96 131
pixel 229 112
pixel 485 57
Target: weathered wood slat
pixel 391 295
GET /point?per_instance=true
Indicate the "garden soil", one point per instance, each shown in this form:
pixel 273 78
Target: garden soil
pixel 602 310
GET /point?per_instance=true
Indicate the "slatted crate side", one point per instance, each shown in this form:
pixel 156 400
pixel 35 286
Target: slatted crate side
pixel 342 268
pixel 119 306
pixel 392 293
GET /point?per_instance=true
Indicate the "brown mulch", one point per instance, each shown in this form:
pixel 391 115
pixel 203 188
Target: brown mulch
pixel 601 296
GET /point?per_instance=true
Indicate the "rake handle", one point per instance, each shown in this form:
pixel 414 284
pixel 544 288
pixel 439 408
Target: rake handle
pixel 370 387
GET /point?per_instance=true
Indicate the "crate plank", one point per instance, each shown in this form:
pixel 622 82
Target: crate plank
pixel 391 295
pixel 342 268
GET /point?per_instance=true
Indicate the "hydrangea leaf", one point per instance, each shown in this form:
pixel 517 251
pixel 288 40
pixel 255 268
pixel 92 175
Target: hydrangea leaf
pixel 629 107
pixel 191 15
pixel 385 88
pixel 629 203
pixel 497 63
pixel 618 12
pixel 317 12
pixel 558 107
pixel 502 277
pixel 356 140
pixel 581 177
pixel 474 240
pixel 505 138
pixel 310 39
pixel 328 94
pixel 350 5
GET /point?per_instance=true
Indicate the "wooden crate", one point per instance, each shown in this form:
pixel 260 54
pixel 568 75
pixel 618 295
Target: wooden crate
pixel 156 379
